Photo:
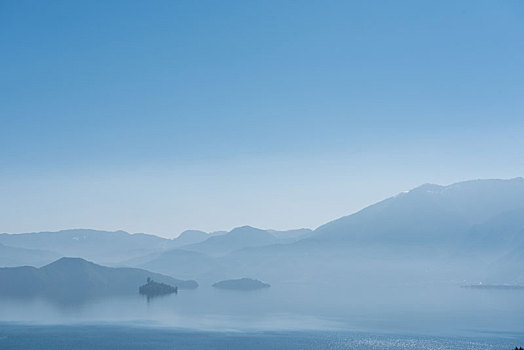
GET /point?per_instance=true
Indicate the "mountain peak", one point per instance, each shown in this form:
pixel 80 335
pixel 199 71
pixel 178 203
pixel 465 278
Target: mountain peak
pixel 69 261
pixel 248 231
pixel 246 228
pixel 191 233
pixel 430 212
pixel 428 187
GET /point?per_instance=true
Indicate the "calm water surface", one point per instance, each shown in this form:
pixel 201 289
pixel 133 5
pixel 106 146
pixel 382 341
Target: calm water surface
pixel 112 337
pixel 447 317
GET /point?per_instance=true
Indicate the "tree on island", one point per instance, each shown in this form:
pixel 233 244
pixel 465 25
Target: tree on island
pixel 152 288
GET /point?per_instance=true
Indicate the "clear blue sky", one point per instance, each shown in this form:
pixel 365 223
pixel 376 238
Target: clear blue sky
pixel 161 116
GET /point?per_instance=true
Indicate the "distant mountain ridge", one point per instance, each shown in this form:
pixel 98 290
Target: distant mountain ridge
pixel 202 257
pixel 238 238
pixel 14 256
pixel 476 225
pixel 189 237
pixel 224 242
pixel 101 246
pixel 429 212
pixel 116 247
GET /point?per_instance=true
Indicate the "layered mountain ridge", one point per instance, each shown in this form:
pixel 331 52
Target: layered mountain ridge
pixel 467 230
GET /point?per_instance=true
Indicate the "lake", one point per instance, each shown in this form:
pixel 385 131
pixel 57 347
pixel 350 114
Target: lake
pixel 119 337
pixel 281 317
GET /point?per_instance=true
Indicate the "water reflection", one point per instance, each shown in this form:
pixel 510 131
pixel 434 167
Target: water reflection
pixel 446 309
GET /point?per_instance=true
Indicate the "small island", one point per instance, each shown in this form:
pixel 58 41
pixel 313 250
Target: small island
pixel 241 284
pixel 153 289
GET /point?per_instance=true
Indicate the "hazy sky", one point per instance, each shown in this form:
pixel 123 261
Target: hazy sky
pixel 161 116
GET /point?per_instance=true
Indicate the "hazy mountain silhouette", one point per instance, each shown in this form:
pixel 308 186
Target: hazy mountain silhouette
pixel 77 278
pixel 13 256
pixel 238 238
pixel 503 231
pixel 429 214
pixel 291 235
pixel 122 248
pixel 466 230
pixel 189 237
pixel 205 258
pixel 101 246
pixel 179 262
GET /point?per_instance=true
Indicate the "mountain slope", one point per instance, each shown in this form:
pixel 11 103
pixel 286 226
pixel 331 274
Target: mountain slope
pixel 14 256
pixel 429 214
pixel 179 262
pixel 78 278
pixel 188 237
pixel 291 235
pixel 503 231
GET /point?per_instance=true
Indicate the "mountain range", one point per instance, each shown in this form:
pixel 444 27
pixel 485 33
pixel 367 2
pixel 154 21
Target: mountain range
pixel 471 230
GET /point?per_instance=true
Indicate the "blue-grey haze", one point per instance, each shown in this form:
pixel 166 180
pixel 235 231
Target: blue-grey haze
pixel 403 265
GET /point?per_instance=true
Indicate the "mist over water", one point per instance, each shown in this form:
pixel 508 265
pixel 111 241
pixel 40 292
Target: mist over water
pixel 434 318
pixel 448 310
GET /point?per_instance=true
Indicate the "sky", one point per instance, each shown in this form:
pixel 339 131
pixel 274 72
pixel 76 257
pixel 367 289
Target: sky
pixel 162 116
